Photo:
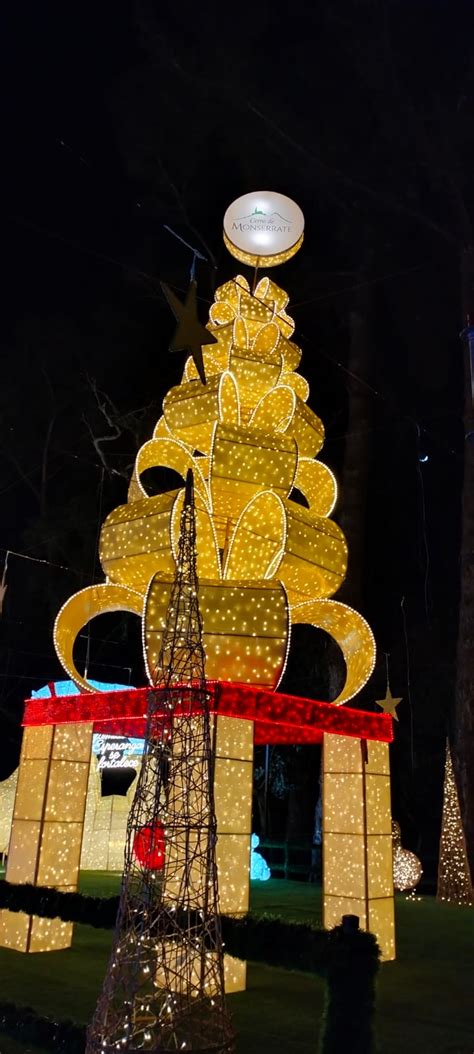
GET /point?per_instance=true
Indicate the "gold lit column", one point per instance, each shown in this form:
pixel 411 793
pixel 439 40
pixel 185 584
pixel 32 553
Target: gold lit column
pixel 46 836
pixel 357 837
pixel 233 801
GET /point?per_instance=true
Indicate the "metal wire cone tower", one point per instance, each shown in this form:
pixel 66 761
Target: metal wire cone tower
pixel 164 986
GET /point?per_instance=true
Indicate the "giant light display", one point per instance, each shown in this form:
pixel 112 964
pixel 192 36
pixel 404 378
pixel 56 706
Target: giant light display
pixel 264 561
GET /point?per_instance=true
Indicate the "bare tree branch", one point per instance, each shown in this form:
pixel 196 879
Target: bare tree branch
pixel 183 210
pixel 118 423
pixel 24 476
pixel 44 463
pixel 97 441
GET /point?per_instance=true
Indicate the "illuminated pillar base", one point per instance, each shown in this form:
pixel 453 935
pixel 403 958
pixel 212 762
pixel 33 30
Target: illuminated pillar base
pixel 46 835
pixel 357 838
pixel 233 799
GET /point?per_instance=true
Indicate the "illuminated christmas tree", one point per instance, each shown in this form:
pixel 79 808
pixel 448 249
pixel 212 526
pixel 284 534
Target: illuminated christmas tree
pixel 264 561
pixel 240 420
pixel 454 877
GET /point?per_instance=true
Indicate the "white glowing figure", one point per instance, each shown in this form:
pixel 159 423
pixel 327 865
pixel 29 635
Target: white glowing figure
pixel 259 869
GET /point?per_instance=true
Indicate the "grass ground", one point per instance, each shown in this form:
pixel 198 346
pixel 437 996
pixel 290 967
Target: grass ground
pixel 424 1001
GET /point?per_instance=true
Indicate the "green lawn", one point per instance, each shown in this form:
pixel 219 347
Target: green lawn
pixel 9 1046
pixel 424 999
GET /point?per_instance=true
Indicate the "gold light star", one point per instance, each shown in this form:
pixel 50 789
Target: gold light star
pixel 190 335
pixel 389 704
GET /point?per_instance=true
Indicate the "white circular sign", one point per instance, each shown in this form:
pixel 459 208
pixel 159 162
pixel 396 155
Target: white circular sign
pixel 263 228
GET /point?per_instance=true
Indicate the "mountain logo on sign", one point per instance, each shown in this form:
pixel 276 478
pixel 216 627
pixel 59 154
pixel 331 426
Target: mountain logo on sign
pixel 266 215
pixel 258 220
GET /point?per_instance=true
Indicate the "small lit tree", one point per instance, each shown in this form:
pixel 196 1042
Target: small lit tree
pixel 454 877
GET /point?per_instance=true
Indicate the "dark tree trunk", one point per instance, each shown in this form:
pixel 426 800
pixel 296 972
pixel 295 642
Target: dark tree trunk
pixel 463 723
pixel 354 481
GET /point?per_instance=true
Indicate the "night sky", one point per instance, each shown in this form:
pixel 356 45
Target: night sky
pixel 121 118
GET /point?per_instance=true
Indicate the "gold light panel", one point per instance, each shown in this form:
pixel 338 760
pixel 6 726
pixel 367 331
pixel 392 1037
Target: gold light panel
pixel 245 462
pixel 315 559
pixel 307 429
pixel 298 383
pixel 357 837
pixel 47 827
pixel 135 541
pixel 191 409
pixel 275 410
pixel 256 365
pixel 258 538
pixel 245 628
pixel 7 801
pixel 317 484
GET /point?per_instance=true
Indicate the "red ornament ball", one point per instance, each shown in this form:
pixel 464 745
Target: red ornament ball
pixel 149 846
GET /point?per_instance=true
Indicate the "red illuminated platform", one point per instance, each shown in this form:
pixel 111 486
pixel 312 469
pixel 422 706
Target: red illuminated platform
pixel 277 717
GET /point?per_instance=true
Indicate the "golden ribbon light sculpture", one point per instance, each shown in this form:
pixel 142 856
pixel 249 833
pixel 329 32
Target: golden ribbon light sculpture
pixel 264 561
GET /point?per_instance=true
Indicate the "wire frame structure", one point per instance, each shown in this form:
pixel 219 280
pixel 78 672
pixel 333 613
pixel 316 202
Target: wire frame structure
pixel 164 986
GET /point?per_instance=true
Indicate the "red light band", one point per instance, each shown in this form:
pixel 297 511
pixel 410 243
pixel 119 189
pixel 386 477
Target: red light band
pixel 278 718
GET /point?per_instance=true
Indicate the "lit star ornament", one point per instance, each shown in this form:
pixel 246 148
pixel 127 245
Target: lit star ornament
pixel 389 704
pixel 190 335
